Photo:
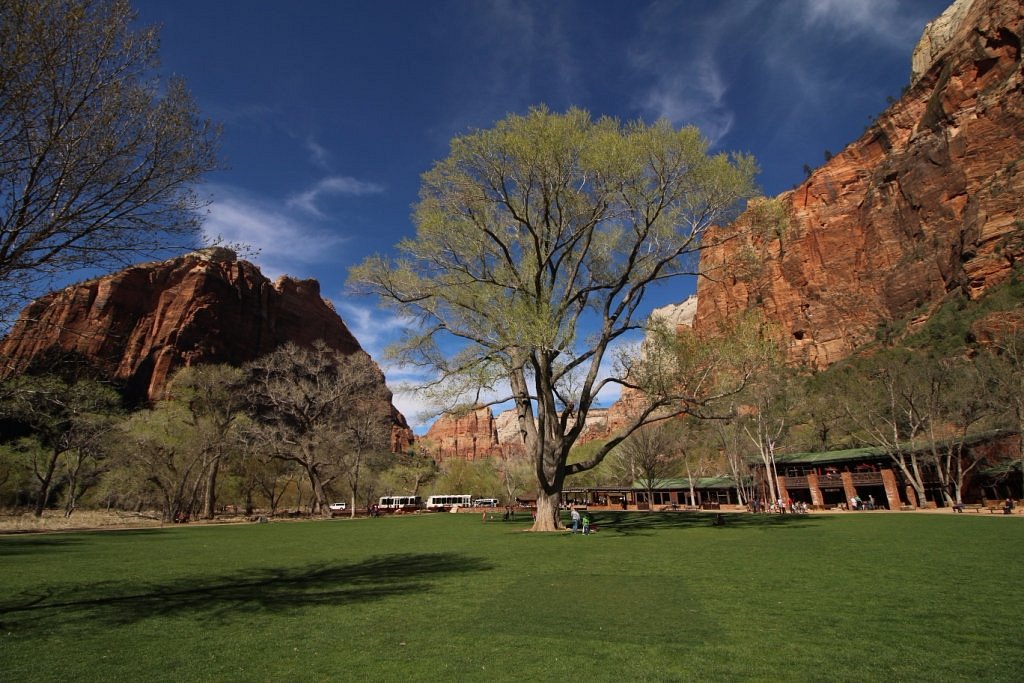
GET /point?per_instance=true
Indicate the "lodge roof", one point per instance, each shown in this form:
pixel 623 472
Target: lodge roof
pixel 875 452
pixel 722 482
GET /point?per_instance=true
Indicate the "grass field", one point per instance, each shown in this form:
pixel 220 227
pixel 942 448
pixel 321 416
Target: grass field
pixel 857 597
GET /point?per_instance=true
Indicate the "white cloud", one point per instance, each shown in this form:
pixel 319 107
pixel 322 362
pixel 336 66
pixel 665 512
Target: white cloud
pixel 372 326
pixel 678 67
pixel 318 154
pixel 282 243
pixel 696 98
pixel 876 20
pixel 332 185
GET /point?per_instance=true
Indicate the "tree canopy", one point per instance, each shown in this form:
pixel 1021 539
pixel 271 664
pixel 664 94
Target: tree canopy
pixel 537 241
pixel 97 156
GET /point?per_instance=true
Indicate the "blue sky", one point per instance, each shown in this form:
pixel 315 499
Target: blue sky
pixel 332 109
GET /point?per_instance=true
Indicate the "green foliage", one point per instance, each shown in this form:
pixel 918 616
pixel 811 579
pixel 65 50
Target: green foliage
pixel 652 597
pixel 534 229
pixel 947 330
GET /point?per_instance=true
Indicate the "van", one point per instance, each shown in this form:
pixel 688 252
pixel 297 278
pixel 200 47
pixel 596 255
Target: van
pixel 486 502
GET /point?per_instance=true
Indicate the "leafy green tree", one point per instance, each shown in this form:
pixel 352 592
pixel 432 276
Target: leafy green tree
pixel 514 473
pixel 475 477
pixel 408 473
pixel 67 423
pixel 162 459
pixel 97 157
pixel 533 233
pixel 214 398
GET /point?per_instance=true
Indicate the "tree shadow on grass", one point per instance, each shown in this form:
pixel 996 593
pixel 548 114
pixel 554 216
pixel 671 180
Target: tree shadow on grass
pixel 634 523
pixel 237 594
pixel 27 543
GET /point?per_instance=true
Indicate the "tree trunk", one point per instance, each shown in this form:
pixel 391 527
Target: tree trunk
pixel 210 495
pixel 319 495
pixel 548 512
pixel 45 480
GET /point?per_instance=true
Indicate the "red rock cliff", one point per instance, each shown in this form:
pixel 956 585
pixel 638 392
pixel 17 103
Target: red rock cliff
pixel 926 202
pixel 469 436
pixel 145 322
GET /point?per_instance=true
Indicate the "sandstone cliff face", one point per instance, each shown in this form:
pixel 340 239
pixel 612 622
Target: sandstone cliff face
pixel 481 434
pixel 145 322
pixel 926 202
pixel 469 436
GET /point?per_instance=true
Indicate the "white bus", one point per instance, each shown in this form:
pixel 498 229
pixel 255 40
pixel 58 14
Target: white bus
pixel 400 502
pixel 446 502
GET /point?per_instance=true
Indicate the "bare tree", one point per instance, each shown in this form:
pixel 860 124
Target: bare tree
pixel 97 156
pixel 885 399
pixel 1007 361
pixel 322 410
pixel 649 455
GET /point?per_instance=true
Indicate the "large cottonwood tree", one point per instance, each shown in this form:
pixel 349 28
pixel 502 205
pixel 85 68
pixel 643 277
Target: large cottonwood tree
pixel 537 241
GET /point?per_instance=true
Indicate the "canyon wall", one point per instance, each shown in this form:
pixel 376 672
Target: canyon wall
pixel 927 202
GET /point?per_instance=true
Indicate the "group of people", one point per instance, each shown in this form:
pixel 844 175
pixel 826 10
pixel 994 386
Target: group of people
pixel 857 504
pixel 779 507
pixel 578 519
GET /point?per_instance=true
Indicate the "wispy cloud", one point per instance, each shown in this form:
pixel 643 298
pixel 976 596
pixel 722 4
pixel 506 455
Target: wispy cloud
pixel 679 69
pixel 881 21
pixel 282 242
pixel 373 327
pixel 306 200
pixel 376 329
pixel 697 98
pixel 318 154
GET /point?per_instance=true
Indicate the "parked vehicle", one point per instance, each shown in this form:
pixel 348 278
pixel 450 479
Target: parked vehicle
pixel 447 502
pixel 338 506
pixel 400 503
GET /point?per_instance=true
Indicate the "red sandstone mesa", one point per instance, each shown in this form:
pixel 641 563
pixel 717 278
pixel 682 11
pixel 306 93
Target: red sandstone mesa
pixel 141 324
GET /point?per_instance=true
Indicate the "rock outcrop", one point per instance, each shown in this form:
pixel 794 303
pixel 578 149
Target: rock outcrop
pixel 479 433
pixel 472 435
pixel 141 324
pixel 927 202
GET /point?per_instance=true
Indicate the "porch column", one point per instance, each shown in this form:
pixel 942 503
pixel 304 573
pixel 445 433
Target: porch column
pixel 892 488
pixel 848 488
pixel 812 484
pixel 783 492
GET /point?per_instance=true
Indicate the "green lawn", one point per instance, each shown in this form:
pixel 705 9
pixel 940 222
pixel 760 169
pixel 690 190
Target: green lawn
pixel 858 597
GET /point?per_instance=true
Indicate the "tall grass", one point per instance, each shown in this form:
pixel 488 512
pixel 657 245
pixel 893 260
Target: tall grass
pixel 446 597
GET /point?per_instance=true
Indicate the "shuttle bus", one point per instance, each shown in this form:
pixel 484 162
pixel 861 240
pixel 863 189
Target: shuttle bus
pixel 400 503
pixel 447 502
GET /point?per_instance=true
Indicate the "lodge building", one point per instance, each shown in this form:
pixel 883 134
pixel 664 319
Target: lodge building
pixel 829 480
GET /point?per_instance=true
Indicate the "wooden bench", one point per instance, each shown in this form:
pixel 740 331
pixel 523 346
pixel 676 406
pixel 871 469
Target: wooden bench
pixel 968 507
